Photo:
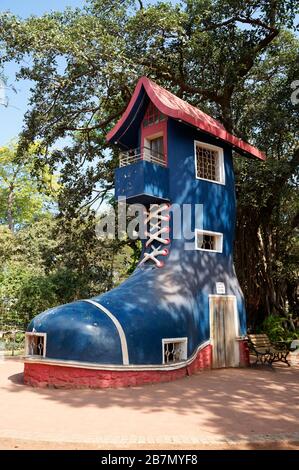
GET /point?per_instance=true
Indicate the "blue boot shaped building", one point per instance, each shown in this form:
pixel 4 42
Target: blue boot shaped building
pixel 182 309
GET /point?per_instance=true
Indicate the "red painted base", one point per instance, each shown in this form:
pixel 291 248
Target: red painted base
pixel 244 354
pixel 45 375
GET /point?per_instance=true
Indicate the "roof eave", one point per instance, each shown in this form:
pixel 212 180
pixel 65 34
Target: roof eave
pixel 200 124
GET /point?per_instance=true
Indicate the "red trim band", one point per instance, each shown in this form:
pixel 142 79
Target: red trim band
pixel 46 375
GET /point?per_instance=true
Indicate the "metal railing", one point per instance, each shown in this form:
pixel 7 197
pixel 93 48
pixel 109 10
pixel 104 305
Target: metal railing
pixel 141 153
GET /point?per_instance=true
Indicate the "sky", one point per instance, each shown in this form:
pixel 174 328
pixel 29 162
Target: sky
pixel 11 117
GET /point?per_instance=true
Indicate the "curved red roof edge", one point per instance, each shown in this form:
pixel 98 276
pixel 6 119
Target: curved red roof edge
pixel 176 108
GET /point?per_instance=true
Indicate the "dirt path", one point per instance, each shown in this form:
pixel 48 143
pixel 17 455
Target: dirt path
pixel 223 409
pixel 16 444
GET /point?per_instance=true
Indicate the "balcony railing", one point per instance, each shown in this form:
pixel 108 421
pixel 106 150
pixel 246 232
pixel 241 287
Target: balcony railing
pixel 141 153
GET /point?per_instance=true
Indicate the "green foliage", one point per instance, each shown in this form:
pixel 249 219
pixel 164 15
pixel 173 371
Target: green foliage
pixel 23 197
pixel 49 263
pixel 12 341
pixel 278 328
pixel 23 294
pixel 85 64
pixel 234 59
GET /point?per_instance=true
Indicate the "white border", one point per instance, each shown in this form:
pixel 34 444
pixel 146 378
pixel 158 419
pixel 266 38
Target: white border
pixel 183 340
pixel 237 323
pixel 221 162
pixel 209 232
pixel 122 336
pixel 147 143
pixel 115 367
pixel 33 333
pixel 147 194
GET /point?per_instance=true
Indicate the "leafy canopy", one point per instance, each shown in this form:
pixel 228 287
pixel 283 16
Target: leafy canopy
pixel 23 197
pixel 234 59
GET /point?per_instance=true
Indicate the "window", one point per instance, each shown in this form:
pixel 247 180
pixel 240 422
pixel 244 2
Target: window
pixel 174 350
pixel 152 116
pixel 208 241
pixel 156 147
pixel 209 162
pixel 35 344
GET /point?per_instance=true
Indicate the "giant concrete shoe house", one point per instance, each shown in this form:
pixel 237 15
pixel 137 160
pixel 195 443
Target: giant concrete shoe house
pixel 182 309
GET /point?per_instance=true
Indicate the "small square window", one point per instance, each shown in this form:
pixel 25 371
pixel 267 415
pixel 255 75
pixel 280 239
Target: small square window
pixel 35 344
pixel 174 350
pixel 209 162
pixel 209 241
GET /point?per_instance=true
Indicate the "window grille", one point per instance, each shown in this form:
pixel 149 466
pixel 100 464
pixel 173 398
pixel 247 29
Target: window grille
pixel 209 241
pixel 35 344
pixel 209 163
pixel 174 350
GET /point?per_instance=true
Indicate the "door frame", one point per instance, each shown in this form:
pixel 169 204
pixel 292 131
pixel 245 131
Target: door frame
pixel 237 321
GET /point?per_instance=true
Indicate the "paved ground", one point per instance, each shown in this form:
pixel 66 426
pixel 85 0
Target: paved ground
pixel 232 408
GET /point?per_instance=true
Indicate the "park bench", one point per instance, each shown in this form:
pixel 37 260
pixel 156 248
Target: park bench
pixel 267 352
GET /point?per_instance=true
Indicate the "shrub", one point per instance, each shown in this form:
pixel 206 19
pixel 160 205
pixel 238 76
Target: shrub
pixel 278 328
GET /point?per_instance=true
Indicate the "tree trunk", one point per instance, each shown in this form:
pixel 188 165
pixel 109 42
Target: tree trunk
pixel 10 203
pixel 255 260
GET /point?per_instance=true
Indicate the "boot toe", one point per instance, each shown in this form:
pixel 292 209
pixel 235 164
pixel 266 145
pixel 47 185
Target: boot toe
pixel 79 332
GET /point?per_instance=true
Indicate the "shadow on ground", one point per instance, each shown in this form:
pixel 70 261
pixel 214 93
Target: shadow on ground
pixel 235 402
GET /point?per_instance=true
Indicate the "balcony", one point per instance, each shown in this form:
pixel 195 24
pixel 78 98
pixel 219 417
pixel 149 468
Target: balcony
pixel 141 153
pixel 142 177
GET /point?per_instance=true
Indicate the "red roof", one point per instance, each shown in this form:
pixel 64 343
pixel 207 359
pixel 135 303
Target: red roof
pixel 176 108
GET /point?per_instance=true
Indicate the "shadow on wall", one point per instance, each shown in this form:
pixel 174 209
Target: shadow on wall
pixel 180 290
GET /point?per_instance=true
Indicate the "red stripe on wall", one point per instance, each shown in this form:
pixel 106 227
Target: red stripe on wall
pixel 45 375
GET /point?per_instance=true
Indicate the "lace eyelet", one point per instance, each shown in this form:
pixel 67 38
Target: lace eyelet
pixel 160 264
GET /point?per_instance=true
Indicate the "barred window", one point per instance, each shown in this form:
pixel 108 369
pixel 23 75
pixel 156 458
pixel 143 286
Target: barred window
pixel 174 350
pixel 35 344
pixel 209 162
pixel 209 241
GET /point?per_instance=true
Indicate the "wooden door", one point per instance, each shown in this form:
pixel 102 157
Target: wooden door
pixel 224 331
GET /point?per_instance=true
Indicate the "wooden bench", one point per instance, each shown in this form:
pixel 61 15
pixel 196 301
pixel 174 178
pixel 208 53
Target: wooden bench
pixel 267 352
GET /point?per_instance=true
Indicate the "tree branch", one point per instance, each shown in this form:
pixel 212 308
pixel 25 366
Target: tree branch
pixel 96 126
pixel 140 4
pixel 240 19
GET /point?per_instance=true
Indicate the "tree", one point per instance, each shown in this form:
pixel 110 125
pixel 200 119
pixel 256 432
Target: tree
pixel 21 197
pixel 42 266
pixel 46 260
pixel 215 54
pixel 268 210
pixel 85 64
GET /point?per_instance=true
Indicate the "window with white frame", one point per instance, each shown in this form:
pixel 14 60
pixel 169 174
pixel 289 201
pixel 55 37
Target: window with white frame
pixel 35 344
pixel 174 350
pixel 209 163
pixel 208 241
pixel 154 149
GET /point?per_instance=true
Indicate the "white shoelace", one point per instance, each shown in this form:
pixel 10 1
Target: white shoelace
pixel 155 219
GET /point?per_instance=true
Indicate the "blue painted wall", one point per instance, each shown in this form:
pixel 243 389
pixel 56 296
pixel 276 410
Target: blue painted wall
pixel 142 182
pixel 158 303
